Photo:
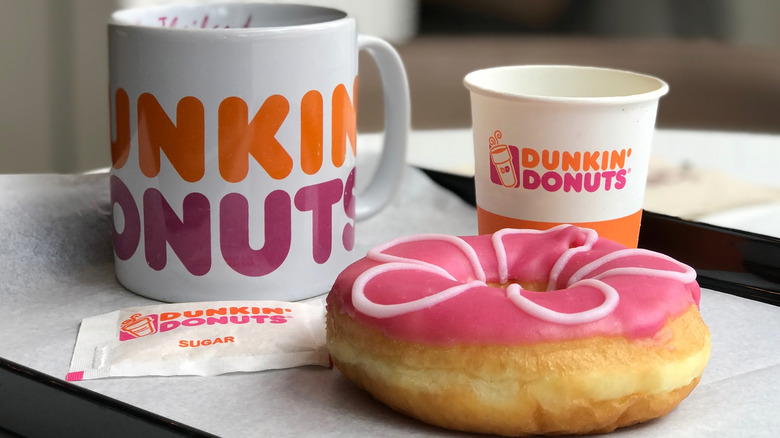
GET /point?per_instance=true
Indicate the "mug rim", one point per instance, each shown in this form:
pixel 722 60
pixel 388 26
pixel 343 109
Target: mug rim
pixel 129 18
pixel 475 82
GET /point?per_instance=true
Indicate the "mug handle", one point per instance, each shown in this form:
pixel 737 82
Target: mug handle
pixel 395 88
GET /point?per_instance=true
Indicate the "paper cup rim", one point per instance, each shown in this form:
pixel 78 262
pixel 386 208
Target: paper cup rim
pixel 655 87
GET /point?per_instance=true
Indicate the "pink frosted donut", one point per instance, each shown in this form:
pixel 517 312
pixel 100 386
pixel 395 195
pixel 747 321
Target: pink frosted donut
pixel 522 332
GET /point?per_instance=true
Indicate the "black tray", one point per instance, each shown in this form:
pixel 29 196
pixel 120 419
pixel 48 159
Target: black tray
pixel 34 404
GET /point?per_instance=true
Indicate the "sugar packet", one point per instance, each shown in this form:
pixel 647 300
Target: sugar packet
pixel 204 339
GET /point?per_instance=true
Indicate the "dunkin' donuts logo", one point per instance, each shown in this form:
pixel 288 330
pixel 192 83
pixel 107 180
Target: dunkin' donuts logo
pixel 243 140
pixel 139 326
pixel 555 171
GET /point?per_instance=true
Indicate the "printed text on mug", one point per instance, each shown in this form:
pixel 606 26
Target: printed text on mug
pixel 240 140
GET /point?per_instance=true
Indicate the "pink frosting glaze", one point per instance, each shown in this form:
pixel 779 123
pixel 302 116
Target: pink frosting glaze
pixel 436 288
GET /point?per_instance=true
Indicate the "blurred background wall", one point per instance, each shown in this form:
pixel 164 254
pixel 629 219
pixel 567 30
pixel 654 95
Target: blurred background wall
pixel 54 83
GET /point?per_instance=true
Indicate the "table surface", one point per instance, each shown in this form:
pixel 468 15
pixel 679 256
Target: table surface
pixel 56 268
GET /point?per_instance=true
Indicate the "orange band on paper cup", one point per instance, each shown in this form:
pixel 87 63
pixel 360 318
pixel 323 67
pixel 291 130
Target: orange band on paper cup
pixel 624 230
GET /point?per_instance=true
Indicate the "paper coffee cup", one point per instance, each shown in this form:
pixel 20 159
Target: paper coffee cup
pixel 562 144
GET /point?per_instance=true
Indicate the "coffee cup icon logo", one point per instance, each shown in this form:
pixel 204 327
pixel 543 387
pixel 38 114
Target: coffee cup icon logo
pixel 138 326
pixel 502 160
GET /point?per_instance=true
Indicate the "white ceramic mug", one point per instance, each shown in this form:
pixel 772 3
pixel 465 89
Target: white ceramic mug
pixel 560 144
pixel 233 148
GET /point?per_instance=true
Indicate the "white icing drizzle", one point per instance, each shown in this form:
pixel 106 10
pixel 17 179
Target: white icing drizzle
pixel 591 236
pixel 686 276
pixel 514 291
pixel 611 299
pixel 503 269
pixel 362 303
pixel 377 254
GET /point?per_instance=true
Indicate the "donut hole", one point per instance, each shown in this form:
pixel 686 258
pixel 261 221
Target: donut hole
pixel 535 286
